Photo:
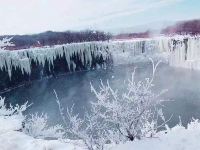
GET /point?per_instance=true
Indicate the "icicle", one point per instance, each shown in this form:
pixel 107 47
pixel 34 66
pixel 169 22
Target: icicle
pixel 119 51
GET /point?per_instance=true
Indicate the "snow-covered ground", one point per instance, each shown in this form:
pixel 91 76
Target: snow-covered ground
pixel 12 139
pixel 177 138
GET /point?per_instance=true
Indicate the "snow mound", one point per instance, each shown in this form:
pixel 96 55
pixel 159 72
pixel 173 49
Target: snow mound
pixel 177 138
pixel 13 140
pixel 10 123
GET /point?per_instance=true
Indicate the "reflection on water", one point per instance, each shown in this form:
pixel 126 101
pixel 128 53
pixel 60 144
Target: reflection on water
pixel 183 89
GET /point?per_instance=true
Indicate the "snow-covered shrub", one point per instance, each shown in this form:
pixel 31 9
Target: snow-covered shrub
pixel 37 127
pixel 176 138
pixel 133 114
pixel 11 110
pixel 116 117
pixel 11 117
pixel 88 129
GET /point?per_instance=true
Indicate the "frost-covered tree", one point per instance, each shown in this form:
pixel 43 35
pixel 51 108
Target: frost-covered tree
pixel 134 113
pixel 36 126
pixel 116 117
pixel 5 42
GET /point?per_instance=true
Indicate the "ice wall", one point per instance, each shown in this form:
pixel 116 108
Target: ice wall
pixel 130 51
pixel 183 51
pixel 22 59
pixel 120 52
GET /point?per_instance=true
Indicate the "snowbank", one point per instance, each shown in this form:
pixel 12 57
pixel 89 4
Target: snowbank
pixel 12 139
pixel 177 138
pixel 10 123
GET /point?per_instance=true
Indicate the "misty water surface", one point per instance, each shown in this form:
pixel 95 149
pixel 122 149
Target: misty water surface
pixel 183 90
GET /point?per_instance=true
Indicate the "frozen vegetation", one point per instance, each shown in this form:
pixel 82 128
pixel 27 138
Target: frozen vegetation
pixel 5 42
pixel 36 126
pixel 177 138
pixel 116 117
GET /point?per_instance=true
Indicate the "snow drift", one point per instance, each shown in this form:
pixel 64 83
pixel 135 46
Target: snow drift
pixel 177 138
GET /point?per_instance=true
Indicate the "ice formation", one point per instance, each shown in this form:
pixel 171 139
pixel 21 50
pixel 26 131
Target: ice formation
pixel 22 58
pixel 183 51
pixel 126 52
pixel 5 42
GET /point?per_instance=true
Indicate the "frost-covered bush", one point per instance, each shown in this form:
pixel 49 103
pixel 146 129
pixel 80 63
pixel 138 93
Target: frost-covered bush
pixel 132 114
pixel 88 129
pixel 37 127
pixel 11 117
pixel 11 110
pixel 116 117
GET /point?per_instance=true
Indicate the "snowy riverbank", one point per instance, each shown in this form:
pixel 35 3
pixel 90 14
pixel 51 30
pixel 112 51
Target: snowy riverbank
pixel 12 139
pixel 177 138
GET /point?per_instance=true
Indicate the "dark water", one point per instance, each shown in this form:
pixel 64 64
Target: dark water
pixel 183 88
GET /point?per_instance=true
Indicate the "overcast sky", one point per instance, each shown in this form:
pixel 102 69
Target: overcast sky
pixel 34 16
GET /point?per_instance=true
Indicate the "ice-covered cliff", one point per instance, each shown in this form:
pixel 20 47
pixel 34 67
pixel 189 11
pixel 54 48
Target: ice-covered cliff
pixel 183 51
pixel 23 59
pixel 119 52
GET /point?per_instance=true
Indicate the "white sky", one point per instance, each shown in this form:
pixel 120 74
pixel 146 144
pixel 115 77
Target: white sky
pixel 33 16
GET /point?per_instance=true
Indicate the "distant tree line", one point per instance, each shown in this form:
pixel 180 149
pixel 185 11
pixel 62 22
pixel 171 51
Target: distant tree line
pixel 184 27
pixel 191 27
pixel 50 38
pixel 132 35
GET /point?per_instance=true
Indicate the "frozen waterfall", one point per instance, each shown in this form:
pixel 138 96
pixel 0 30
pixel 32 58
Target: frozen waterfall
pixel 22 59
pixel 183 51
